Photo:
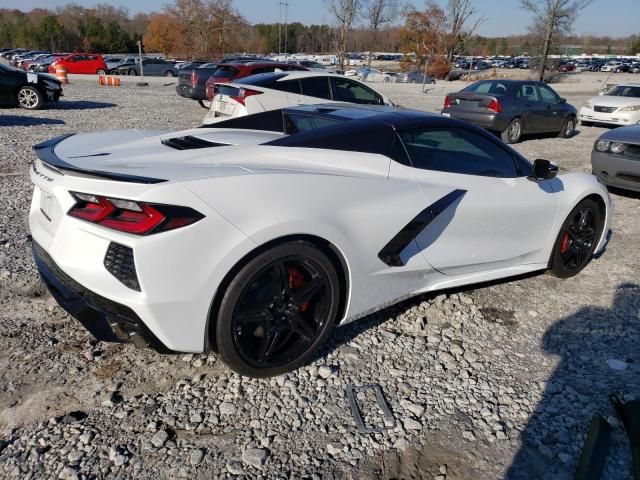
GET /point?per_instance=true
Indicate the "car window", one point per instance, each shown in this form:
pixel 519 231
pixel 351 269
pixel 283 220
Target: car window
pixel 547 95
pixel 291 86
pixel 348 91
pixel 316 87
pixel 226 72
pixel 527 92
pixel 624 91
pixel 482 87
pixel 457 150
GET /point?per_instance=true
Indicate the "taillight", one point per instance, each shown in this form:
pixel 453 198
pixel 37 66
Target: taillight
pixel 137 218
pixel 244 93
pixel 494 106
pixel 447 102
pixel 194 79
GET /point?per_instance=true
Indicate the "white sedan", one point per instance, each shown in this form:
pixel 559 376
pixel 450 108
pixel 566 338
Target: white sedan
pixel 270 91
pixel 618 106
pixel 257 237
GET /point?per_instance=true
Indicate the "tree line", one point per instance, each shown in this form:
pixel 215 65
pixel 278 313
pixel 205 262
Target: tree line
pixel 209 29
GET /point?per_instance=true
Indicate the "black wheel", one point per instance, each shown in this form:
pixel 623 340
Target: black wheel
pixel 114 71
pixel 278 310
pixel 30 98
pixel 205 104
pixel 132 72
pixel 101 71
pixel 577 239
pixel 568 127
pixel 169 73
pixel 586 124
pixel 513 132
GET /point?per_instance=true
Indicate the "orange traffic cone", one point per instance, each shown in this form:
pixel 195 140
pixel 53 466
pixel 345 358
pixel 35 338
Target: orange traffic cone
pixel 61 74
pixel 109 81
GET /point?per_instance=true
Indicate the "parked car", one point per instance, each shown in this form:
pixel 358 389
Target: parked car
pixel 615 158
pixel 151 67
pixel 618 106
pixel 25 62
pixel 270 91
pixel 344 210
pixel 610 67
pixel 414 76
pixel 513 108
pixel 83 63
pixel 42 65
pixel 27 90
pixel 114 62
pixel 195 83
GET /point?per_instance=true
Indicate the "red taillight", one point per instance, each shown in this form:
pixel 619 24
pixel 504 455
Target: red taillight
pixel 244 93
pixel 494 106
pixel 447 102
pixel 194 79
pixel 210 87
pixel 137 218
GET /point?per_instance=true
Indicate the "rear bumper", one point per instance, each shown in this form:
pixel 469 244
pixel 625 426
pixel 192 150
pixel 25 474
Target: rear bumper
pixel 489 121
pixel 195 93
pixel 616 170
pixel 105 319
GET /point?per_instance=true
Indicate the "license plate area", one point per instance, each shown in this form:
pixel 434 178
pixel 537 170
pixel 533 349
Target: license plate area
pixel 47 205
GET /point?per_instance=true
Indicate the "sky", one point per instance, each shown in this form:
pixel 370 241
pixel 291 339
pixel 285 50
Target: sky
pixel 614 18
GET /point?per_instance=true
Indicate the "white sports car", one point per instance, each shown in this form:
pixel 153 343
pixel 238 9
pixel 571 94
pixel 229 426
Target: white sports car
pixel 257 237
pixel 273 90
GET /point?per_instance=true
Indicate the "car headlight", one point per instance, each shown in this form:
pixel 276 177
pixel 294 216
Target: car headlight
pixel 588 105
pixel 617 147
pixel 602 145
pixel 633 108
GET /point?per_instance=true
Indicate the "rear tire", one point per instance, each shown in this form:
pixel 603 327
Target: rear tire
pixel 203 104
pixel 577 240
pixel 132 72
pixel 278 310
pixel 568 128
pixel 169 73
pixel 513 132
pixel 101 71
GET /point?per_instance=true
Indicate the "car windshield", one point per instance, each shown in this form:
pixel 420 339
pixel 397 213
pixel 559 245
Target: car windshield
pixel 624 91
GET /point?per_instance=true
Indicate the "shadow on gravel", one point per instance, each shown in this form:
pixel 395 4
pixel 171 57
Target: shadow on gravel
pixel 20 121
pixel 580 388
pixel 81 105
pixel 624 193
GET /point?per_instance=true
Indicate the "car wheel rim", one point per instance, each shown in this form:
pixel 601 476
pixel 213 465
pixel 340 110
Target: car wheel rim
pixel 514 131
pixel 27 98
pixel 578 239
pixel 281 312
pixel 569 127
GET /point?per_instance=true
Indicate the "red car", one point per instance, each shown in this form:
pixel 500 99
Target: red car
pixel 87 63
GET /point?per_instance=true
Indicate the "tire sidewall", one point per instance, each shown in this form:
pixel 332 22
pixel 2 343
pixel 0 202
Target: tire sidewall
pixel 506 136
pixel 563 133
pixel 223 324
pixel 556 267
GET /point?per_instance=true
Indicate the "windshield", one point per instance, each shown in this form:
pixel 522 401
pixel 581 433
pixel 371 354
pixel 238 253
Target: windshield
pixel 226 72
pixel 624 91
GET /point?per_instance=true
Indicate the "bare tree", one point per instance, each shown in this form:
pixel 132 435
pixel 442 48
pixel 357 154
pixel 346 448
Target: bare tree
pixel 463 25
pixel 553 18
pixel 378 12
pixel 345 12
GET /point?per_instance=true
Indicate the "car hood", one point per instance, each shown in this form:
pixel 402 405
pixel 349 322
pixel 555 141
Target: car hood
pixel 630 134
pixel 614 101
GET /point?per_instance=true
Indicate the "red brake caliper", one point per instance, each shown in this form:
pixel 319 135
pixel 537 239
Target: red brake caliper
pixel 565 244
pixel 296 280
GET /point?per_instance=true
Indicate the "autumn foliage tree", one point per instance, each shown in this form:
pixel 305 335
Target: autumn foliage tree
pixel 162 34
pixel 424 34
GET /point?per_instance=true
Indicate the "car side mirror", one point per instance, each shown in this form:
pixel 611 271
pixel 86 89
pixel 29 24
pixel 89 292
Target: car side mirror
pixel 562 100
pixel 543 170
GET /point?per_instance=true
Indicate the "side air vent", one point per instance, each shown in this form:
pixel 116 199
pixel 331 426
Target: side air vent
pixel 119 262
pixel 190 143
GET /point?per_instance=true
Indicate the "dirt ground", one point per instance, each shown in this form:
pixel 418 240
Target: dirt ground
pixel 539 367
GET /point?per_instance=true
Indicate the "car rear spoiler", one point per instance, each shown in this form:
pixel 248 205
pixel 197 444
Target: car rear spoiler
pixel 45 151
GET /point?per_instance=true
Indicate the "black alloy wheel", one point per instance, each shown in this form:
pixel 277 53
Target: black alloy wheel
pixel 577 240
pixel 278 310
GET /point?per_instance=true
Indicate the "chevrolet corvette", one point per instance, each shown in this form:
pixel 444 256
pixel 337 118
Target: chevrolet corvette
pixel 256 237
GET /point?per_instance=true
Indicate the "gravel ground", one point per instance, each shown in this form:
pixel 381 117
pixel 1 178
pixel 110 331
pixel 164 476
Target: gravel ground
pixel 496 381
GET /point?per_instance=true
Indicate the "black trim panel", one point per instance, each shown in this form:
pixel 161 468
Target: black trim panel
pixel 390 253
pixel 45 152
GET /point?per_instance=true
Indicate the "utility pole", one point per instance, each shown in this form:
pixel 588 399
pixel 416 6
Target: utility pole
pixel 280 28
pixel 286 8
